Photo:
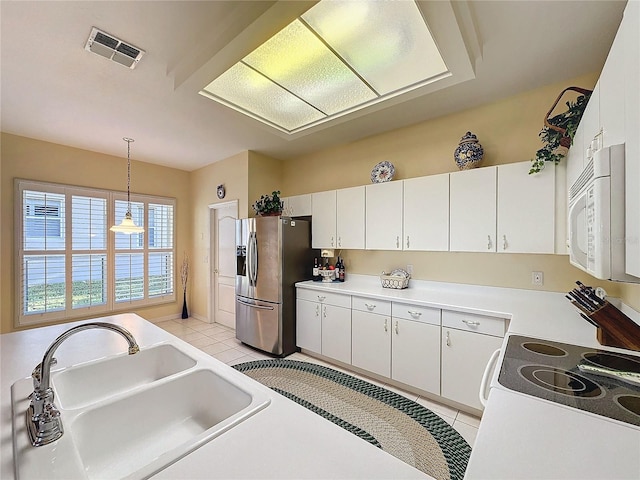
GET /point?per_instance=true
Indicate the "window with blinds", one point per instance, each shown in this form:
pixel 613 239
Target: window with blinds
pixel 70 264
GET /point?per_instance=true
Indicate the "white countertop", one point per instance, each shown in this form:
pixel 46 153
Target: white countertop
pixel 522 437
pixel 284 440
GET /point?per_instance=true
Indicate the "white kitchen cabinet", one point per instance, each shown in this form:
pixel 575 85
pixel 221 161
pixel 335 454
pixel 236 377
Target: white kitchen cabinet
pixel 323 323
pixel 575 157
pixel 426 213
pixel 350 218
pixel 323 226
pixel 468 341
pixel 415 346
pixel 297 205
pixel 591 117
pixel 308 325
pixel 630 34
pixel 371 335
pixel 336 332
pixel 612 95
pixel 472 221
pixel 384 216
pixel 526 209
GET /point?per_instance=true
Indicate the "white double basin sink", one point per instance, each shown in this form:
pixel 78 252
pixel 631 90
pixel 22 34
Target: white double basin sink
pixel 130 416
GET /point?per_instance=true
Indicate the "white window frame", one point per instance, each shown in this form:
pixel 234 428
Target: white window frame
pixel 111 306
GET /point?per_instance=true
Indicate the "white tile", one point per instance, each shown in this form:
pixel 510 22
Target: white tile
pixel 215 348
pixel 202 326
pixel 223 335
pixel 404 393
pixel 468 432
pixel 438 408
pixel 193 335
pixel 468 419
pixel 228 355
pixel 178 330
pixel 192 322
pixel 203 342
pixel 257 355
pixel 245 358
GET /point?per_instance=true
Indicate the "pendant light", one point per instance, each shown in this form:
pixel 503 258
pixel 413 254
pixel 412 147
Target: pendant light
pixel 127 225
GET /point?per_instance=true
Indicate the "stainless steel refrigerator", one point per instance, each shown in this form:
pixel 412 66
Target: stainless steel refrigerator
pixel 272 254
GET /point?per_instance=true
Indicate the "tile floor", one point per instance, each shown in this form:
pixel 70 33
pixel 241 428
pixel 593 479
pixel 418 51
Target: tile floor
pixel 220 342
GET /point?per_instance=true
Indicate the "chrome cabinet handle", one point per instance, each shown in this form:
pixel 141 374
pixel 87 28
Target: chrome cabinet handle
pixel 385 325
pixel 504 242
pixel 396 327
pixel 471 323
pixel 251 305
pixel 339 241
pixel 397 241
pixel 324 312
pixel 489 244
pixel 317 310
pixel 332 240
pixel 448 340
pixel 407 241
pixel 321 298
pixel 370 306
pixel 414 314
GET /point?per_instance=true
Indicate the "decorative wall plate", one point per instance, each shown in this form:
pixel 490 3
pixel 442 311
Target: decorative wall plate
pixel 220 191
pixel 382 172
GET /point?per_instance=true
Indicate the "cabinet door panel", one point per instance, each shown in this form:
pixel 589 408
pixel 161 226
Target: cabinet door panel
pixel 350 217
pixel 464 358
pixel 526 209
pixel 308 326
pixel 384 216
pixel 426 213
pixel 336 332
pixel 472 221
pixel 371 342
pixel 415 350
pixel 323 226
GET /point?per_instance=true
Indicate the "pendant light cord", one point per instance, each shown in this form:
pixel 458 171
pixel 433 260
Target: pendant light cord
pixel 128 140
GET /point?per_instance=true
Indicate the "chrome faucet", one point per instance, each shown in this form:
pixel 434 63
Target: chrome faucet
pixel 43 418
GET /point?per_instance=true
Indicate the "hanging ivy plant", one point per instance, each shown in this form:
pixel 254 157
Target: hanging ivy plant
pixel 558 132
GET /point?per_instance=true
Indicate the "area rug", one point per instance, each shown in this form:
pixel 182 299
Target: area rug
pixel 390 421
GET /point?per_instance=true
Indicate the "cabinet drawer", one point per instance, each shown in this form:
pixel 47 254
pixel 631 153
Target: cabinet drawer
pixel 416 313
pixel 474 323
pixel 364 304
pixel 328 298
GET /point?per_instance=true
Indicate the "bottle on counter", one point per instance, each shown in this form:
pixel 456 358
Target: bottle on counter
pixel 341 269
pixel 316 270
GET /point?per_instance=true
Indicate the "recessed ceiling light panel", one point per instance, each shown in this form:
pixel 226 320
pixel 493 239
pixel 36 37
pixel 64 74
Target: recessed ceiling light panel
pixel 338 57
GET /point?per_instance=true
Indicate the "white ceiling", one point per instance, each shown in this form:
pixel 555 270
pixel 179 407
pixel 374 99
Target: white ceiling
pixel 54 90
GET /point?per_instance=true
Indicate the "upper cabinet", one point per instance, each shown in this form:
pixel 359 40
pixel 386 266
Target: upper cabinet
pixel 472 218
pixel 297 205
pixel 384 216
pixel 426 213
pixel 350 218
pixel 526 209
pixel 323 226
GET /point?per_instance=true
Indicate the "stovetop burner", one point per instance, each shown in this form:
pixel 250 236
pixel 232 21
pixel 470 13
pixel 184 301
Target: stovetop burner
pixel 549 370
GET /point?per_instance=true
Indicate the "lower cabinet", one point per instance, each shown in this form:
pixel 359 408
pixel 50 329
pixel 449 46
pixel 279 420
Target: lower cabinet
pixel 468 341
pixel 371 338
pixel 308 326
pixel 336 332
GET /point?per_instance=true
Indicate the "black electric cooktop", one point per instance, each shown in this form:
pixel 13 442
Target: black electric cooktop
pixel 566 374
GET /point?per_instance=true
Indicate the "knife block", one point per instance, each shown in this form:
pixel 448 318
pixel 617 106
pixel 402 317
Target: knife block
pixel 615 329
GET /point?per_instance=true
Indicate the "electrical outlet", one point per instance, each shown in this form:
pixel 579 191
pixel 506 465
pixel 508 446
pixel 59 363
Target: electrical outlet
pixel 410 269
pixel 537 278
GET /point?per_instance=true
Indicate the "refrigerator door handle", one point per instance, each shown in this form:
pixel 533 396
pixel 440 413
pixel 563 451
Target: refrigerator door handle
pixel 251 259
pixel 254 258
pixel 252 305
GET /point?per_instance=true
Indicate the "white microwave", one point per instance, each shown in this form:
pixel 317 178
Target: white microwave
pixel 596 217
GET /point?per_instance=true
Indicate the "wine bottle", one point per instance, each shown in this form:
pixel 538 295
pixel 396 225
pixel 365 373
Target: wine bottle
pixel 316 273
pixel 341 270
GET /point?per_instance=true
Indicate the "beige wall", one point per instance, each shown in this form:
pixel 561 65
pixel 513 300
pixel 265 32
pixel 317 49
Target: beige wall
pixel 36 160
pixel 508 131
pixel 265 177
pixel 233 172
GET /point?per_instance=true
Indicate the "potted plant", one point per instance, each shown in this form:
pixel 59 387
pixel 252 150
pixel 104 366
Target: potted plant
pixel 559 130
pixel 269 204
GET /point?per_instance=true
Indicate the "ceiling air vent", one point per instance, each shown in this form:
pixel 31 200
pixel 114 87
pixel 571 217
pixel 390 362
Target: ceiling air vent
pixel 113 48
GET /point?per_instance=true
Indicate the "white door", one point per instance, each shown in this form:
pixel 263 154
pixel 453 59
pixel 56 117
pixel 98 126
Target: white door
pixel 350 217
pixel 472 221
pixel 323 227
pixel 384 216
pixel 223 221
pixel 426 213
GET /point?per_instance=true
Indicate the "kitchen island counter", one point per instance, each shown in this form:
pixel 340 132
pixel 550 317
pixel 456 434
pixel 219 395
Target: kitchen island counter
pixel 283 440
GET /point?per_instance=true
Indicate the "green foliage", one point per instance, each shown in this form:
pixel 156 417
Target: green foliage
pixel 568 120
pixel 268 204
